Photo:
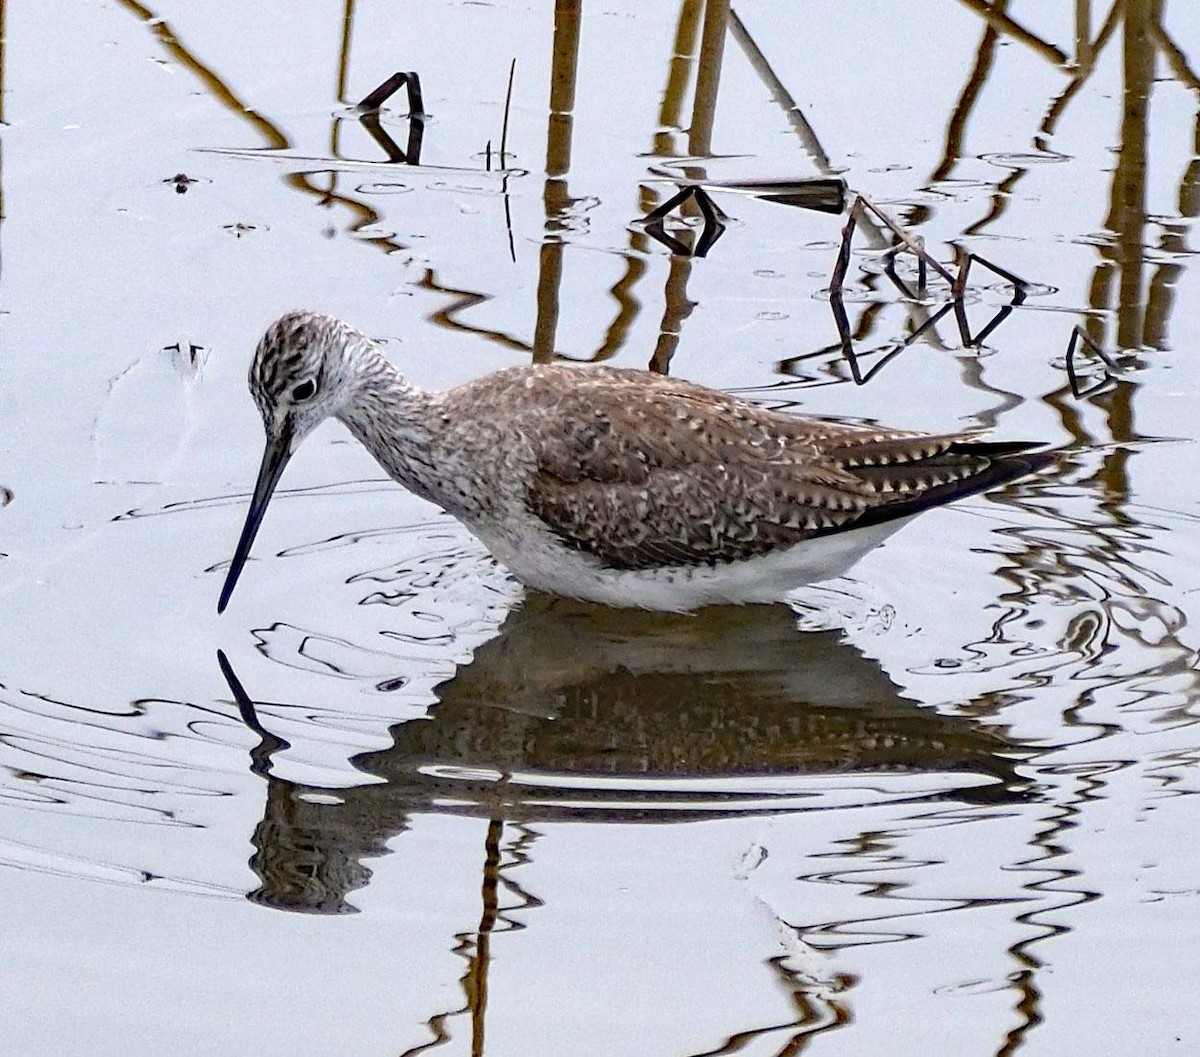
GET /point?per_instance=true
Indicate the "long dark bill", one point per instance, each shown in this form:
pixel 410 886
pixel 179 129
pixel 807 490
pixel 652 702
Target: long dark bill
pixel 275 458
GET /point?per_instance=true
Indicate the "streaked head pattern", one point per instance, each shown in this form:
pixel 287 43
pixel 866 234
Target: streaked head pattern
pixel 301 369
pixel 302 373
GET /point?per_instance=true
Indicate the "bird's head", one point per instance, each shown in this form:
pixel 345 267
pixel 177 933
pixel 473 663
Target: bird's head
pixel 304 371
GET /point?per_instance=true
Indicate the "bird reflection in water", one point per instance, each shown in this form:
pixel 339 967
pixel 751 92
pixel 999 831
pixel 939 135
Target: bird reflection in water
pixel 578 712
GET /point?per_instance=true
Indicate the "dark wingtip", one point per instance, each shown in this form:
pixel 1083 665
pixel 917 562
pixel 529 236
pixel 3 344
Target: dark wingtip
pixel 997 449
pixel 1022 462
pixel 1010 461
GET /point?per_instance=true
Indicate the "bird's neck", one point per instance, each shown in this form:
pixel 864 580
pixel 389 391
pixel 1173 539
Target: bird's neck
pixel 395 421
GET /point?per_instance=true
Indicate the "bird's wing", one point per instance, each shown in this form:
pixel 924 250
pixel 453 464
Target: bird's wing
pixel 673 474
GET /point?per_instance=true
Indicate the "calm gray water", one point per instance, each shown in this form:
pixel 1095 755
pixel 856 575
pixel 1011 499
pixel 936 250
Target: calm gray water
pixel 943 805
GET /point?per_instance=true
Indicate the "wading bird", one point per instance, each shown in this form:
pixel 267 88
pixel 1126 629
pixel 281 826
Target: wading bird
pixel 615 485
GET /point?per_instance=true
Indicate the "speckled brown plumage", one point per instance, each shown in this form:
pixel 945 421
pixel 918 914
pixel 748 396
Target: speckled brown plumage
pixel 644 471
pixel 613 484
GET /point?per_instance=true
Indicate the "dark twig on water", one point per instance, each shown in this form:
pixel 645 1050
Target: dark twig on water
pixel 915 245
pixel 512 69
pixel 1020 293
pixel 714 222
pixel 963 259
pixel 401 79
pixel 821 194
pixel 837 303
pixel 508 224
pixel 840 267
pixel 1110 365
pixel 411 155
pixel 854 359
pixel 368 117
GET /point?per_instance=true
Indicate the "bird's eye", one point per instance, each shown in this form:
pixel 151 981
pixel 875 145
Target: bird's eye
pixel 304 390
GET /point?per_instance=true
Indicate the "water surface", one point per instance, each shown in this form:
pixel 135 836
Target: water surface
pixel 940 805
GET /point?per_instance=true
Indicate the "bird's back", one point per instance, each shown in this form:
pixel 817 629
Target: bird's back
pixel 645 471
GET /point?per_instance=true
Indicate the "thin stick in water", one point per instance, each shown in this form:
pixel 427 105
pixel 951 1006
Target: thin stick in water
pixel 512 69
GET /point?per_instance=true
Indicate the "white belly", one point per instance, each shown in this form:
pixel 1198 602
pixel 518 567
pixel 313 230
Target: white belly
pixel 541 562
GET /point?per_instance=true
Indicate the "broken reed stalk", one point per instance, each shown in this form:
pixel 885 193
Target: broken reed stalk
pixel 922 270
pixel 916 245
pixel 1110 365
pixel 822 194
pixel 508 223
pixel 853 358
pixel 512 69
pixel 400 79
pixel 1020 292
pixel 370 121
pixel 913 245
pixel 963 261
pixel 714 221
pixel 836 303
pixel 368 115
pixel 416 102
pixel 842 265
pixel 375 99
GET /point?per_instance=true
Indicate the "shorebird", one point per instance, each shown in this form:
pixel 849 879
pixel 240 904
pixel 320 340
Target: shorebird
pixel 616 485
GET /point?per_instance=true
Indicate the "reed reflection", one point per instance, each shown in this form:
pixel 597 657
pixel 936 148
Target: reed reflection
pixel 1090 621
pixel 577 712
